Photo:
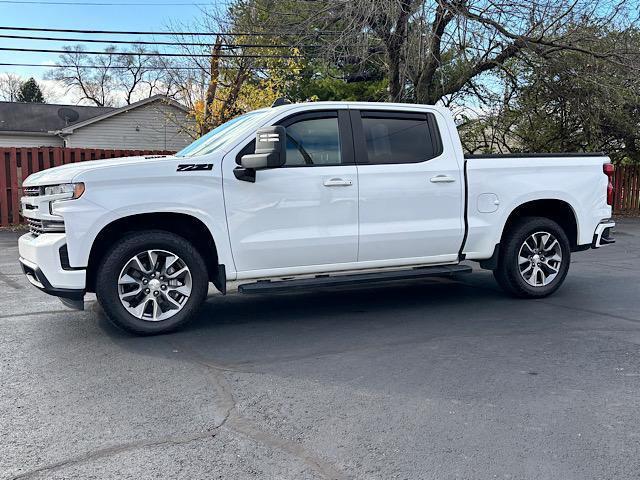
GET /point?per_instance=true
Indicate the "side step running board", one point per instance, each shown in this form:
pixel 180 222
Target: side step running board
pixel 268 286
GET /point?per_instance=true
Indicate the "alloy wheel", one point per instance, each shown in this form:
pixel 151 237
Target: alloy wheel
pixel 154 285
pixel 539 259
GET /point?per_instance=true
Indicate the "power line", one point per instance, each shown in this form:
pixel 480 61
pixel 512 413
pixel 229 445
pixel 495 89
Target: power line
pixel 147 54
pixel 205 34
pixel 141 42
pixel 121 67
pixel 197 69
pixel 102 4
pixel 117 67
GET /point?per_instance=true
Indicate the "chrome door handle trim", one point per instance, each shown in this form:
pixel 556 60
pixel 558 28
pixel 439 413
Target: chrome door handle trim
pixel 337 182
pixel 442 179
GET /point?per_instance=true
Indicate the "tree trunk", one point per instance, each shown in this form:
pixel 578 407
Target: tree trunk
pixel 396 42
pixel 214 74
pixel 395 85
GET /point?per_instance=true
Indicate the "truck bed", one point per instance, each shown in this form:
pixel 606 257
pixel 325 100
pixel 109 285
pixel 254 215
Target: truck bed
pixel 533 155
pixel 497 184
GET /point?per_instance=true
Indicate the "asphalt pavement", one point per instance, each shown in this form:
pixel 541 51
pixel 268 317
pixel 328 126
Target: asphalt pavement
pixel 434 379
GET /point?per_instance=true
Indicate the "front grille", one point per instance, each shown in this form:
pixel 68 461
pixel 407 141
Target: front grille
pixel 32 191
pixel 38 227
pixel 35 226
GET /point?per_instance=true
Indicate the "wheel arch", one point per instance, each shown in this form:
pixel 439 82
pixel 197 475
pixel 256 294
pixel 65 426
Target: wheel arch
pixel 560 211
pixel 185 225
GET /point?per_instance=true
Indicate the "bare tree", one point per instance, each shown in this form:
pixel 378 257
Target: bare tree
pixel 10 84
pixel 89 78
pixel 433 50
pixel 113 78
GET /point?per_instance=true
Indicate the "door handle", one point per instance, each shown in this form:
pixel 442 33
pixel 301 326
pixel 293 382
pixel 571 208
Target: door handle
pixel 337 182
pixel 442 179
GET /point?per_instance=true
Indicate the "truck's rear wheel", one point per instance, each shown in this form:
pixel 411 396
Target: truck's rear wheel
pixel 151 282
pixel 534 258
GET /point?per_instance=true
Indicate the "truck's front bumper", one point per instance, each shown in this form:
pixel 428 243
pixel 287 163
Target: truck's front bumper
pixel 602 235
pixel 41 263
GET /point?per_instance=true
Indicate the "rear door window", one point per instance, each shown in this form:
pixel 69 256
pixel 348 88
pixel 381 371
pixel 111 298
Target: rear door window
pixel 393 138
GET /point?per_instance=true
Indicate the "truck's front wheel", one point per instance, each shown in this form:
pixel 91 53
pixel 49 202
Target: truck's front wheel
pixel 534 258
pixel 151 282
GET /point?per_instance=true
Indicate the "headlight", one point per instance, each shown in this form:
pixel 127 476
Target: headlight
pixel 65 190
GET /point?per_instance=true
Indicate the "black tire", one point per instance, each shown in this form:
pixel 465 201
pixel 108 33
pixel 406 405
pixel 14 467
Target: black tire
pixel 131 245
pixel 507 273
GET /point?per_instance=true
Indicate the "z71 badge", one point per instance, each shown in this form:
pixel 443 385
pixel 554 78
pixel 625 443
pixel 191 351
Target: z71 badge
pixel 191 167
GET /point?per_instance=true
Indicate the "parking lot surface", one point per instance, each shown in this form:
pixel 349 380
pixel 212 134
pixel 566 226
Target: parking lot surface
pixel 434 379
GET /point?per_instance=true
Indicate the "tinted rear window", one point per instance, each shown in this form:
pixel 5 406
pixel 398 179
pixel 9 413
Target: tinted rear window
pixel 397 140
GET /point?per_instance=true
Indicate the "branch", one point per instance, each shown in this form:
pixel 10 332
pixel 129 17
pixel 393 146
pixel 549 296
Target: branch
pixel 508 52
pixel 526 39
pixel 443 16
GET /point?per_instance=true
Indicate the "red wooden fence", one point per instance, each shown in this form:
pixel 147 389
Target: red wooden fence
pixel 16 164
pixel 627 190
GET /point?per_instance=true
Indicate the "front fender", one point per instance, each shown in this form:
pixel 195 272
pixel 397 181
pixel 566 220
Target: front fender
pixel 86 217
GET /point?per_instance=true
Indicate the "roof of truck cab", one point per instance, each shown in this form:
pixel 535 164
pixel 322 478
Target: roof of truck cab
pixel 384 105
pixel 358 105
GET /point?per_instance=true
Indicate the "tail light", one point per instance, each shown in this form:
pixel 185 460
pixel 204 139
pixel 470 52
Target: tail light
pixel 609 170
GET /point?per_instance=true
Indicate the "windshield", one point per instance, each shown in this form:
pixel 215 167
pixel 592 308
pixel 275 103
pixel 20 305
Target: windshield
pixel 219 136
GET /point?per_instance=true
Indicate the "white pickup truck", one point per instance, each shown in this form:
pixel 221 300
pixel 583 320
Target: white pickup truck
pixel 307 195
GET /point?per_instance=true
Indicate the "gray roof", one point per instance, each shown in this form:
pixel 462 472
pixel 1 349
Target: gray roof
pixel 44 117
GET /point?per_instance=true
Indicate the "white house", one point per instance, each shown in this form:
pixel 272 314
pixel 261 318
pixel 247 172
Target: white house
pixel 155 123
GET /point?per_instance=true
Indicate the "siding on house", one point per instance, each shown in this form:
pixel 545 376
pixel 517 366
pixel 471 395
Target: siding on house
pixel 14 140
pixel 160 128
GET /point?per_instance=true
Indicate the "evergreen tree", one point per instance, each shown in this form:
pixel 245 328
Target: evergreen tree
pixel 30 92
